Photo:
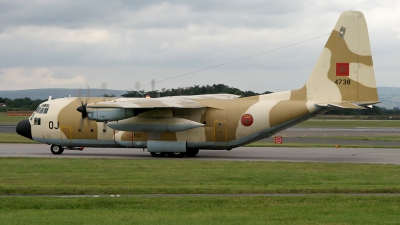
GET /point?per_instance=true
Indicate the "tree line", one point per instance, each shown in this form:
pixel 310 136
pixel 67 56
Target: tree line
pixel 194 90
pixel 19 104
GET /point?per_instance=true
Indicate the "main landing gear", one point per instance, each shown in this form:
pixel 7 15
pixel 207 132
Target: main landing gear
pixel 58 149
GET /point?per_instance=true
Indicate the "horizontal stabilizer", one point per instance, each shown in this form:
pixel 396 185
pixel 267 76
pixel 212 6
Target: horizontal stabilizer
pixel 340 105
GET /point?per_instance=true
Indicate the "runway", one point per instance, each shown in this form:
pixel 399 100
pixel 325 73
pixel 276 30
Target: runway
pixel 275 154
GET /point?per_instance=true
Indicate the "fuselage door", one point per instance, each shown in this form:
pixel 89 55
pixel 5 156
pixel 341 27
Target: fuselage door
pixel 220 131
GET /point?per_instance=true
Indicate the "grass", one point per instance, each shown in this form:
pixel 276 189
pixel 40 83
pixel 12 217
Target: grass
pixel 4 119
pixel 124 176
pixel 314 145
pixel 349 123
pixel 201 210
pixel 15 138
pixel 363 138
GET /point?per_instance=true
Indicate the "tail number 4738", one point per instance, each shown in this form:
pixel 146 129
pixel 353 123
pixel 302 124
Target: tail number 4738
pixel 342 82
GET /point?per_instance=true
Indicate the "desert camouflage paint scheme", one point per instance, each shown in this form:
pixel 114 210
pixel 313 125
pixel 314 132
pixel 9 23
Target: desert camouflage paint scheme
pixel 342 78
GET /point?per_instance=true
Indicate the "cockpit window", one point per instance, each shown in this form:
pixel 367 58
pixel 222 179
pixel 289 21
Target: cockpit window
pixel 43 109
pixel 37 121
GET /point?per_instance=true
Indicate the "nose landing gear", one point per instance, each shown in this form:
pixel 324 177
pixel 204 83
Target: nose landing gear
pixel 56 149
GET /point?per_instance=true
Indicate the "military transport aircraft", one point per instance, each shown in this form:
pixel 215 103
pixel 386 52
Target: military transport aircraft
pixel 343 78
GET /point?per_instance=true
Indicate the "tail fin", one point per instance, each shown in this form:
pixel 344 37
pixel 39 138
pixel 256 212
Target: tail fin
pixel 344 71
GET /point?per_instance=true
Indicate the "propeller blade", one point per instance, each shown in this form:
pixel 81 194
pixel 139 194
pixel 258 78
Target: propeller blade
pixel 104 90
pixel 79 93
pixel 137 86
pixel 153 84
pixel 88 94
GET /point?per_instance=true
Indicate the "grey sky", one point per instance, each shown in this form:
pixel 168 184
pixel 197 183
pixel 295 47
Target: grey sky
pixel 68 44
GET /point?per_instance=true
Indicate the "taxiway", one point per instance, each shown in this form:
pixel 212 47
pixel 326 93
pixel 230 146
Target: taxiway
pixel 278 154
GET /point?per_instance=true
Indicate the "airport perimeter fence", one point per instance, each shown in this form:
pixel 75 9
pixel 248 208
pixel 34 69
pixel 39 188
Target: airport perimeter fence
pixel 19 113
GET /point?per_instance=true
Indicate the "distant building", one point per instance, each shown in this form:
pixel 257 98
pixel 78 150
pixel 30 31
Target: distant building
pixel 3 105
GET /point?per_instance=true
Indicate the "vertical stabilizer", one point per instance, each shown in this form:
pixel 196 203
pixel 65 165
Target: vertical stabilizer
pixel 344 70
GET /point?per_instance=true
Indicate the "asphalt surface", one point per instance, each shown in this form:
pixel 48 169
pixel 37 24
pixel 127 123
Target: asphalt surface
pixel 282 154
pixel 7 128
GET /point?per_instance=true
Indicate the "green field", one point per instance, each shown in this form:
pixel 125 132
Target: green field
pixel 15 138
pixel 4 119
pixel 126 176
pixel 201 210
pixel 37 176
pixel 349 123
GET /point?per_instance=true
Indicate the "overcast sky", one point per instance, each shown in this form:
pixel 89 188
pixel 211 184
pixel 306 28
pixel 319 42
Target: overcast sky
pixel 71 44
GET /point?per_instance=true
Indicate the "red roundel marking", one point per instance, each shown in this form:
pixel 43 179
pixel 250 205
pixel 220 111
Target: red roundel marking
pixel 247 120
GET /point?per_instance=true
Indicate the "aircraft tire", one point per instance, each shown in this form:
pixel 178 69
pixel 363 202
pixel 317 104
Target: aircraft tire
pixel 176 154
pixel 158 154
pixel 56 149
pixel 191 152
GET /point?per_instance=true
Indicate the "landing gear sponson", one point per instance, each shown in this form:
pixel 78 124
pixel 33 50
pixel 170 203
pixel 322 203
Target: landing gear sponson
pixel 191 152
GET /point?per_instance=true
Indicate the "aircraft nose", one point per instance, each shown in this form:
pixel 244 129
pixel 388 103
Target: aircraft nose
pixel 24 128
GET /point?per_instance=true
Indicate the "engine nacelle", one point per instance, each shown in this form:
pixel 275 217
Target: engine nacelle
pixel 145 124
pixel 109 114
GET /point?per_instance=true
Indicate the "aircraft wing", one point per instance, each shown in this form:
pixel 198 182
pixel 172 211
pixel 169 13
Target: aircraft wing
pixel 124 108
pixel 164 102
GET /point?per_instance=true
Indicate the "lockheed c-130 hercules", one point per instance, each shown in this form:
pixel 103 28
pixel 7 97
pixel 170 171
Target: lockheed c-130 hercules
pixel 343 78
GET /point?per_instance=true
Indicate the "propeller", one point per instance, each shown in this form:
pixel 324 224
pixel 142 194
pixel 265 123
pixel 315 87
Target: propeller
pixel 82 109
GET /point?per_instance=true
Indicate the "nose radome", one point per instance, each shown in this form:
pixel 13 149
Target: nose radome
pixel 24 129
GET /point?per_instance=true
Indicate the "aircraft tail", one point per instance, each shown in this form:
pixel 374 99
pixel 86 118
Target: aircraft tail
pixel 344 74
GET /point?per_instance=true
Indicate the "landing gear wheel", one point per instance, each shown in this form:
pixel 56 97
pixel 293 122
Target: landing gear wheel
pixel 191 152
pixel 158 154
pixel 176 154
pixel 56 149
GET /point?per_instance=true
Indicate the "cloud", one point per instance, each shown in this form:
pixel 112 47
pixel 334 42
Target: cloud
pixel 117 41
pixel 31 78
